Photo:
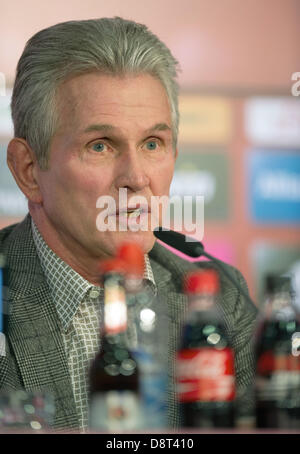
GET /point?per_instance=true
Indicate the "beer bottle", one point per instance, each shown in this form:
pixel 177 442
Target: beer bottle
pixel 205 359
pixel 114 375
pixel 277 350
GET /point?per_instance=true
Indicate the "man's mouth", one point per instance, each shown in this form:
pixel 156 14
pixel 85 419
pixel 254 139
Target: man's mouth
pixel 134 216
pixel 132 212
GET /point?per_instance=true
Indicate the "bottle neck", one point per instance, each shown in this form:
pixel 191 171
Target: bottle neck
pixel 203 302
pixel 138 293
pixel 115 307
pixel 279 306
pixel 134 284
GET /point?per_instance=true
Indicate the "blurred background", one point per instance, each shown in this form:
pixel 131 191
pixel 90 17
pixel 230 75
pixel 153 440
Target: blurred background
pixel 239 137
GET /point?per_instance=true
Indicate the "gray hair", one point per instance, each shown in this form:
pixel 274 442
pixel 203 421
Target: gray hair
pixel 111 45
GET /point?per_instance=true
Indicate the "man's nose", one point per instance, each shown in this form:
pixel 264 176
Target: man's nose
pixel 132 172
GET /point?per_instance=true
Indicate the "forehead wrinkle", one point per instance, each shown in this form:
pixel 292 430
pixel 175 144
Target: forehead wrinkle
pixel 104 127
pixel 159 127
pixel 101 127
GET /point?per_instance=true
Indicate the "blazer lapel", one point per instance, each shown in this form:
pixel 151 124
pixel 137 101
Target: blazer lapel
pixel 33 328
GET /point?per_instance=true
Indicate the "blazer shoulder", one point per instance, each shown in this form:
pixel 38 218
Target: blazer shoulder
pixel 5 233
pixel 166 262
pixel 14 234
pixel 179 267
pixel 180 264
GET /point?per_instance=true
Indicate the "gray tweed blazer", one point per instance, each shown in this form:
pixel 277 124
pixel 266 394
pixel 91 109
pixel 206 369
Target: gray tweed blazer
pixel 35 359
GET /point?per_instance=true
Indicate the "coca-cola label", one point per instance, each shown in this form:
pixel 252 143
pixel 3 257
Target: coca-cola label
pixel 277 376
pixel 269 362
pixel 205 374
pixel 115 411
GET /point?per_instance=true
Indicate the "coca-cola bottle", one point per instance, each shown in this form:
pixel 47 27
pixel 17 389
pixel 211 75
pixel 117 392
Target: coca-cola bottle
pixel 277 349
pixel 147 337
pixel 114 376
pixel 205 359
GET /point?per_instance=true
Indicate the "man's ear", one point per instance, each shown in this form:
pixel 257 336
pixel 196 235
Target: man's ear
pixel 176 153
pixel 22 163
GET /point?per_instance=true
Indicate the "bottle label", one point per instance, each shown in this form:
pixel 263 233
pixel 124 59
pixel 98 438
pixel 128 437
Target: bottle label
pixel 277 376
pixel 269 362
pixel 115 411
pixel 205 374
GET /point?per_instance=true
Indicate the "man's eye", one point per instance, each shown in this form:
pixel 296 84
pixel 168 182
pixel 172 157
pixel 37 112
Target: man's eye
pixel 98 147
pixel 151 145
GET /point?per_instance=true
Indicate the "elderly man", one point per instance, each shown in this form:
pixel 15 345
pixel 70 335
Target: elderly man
pixel 95 110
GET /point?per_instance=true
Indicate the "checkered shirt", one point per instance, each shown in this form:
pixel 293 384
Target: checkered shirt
pixel 78 304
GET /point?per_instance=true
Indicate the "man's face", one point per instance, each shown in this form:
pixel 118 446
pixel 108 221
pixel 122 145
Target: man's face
pixel 114 132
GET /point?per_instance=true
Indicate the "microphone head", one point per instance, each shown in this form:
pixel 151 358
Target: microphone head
pixel 183 243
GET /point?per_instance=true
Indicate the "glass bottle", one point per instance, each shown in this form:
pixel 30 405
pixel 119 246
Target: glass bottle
pixel 114 375
pixel 277 348
pixel 205 359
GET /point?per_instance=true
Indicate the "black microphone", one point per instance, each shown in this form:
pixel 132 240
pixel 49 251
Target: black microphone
pixel 193 248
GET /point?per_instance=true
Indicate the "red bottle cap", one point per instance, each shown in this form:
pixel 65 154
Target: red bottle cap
pixel 133 256
pixel 202 281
